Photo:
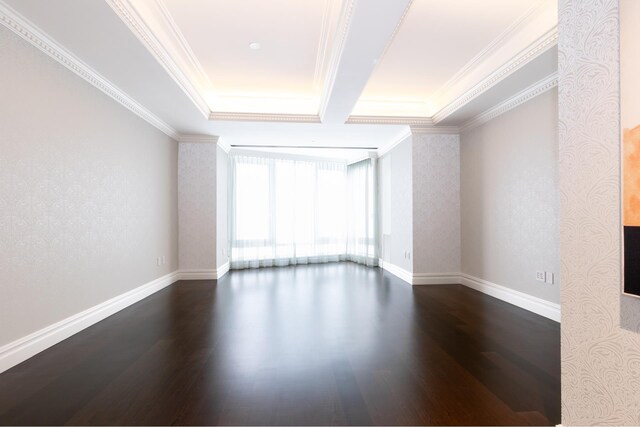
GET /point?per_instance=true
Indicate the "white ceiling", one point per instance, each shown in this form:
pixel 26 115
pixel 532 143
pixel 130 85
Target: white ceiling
pixel 321 63
pixel 436 39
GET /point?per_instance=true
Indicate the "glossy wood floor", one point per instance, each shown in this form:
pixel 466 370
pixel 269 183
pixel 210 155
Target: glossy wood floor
pixel 310 345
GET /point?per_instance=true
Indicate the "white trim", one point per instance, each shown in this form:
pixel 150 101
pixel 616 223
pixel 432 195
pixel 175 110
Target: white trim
pixel 222 270
pixel 132 19
pixel 389 120
pixel 264 117
pixel 491 48
pixel 436 278
pixel 255 152
pixel 394 143
pixel 29 32
pixel 435 130
pixel 330 18
pixel 202 139
pixel 223 144
pixel 181 41
pixel 528 302
pixel 198 274
pixel 537 48
pixel 519 98
pixel 204 274
pixel 22 349
pixel 399 272
pixel 344 26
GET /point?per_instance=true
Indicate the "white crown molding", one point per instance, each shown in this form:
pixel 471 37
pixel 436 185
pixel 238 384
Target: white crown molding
pixel 201 139
pixel 178 72
pixel 330 18
pixel 181 41
pixel 344 26
pixel 541 45
pixel 26 347
pixel 519 98
pixel 381 151
pixel 29 32
pixel 223 144
pixel 491 48
pixel 389 120
pixel 265 117
pixel 435 130
pixel 395 31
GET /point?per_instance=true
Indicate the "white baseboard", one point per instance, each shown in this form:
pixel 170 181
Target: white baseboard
pixel 436 278
pixel 204 274
pixel 420 278
pixel 222 270
pixel 528 302
pixel 22 349
pixel 399 272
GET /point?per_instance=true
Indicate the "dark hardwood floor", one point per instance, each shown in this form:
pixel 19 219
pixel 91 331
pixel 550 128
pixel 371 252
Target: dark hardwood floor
pixel 308 345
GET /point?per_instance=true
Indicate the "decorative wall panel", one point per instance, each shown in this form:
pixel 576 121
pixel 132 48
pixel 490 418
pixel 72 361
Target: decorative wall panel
pixel 600 327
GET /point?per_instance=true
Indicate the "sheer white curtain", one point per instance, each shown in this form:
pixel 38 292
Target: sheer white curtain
pixel 294 211
pixel 362 216
pixel 286 211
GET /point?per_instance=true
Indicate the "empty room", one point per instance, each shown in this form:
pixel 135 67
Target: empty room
pixel 319 212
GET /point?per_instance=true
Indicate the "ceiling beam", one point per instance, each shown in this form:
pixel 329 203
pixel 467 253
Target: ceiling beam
pixel 368 28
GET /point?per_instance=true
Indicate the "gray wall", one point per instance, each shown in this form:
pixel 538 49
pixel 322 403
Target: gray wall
pixel 396 203
pixel 222 161
pixel 600 327
pixel 88 197
pixel 436 203
pixel 509 196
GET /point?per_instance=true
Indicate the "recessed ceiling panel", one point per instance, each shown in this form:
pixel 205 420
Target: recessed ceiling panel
pixel 272 49
pixel 436 39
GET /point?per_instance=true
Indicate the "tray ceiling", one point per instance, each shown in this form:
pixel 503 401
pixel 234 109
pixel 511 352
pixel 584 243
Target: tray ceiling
pixel 344 69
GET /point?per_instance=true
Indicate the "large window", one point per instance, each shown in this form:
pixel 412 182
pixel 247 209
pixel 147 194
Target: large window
pixel 286 211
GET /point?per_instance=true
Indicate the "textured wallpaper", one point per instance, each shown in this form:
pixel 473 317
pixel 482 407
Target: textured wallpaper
pixel 509 195
pixel 197 205
pixel 222 162
pixel 88 194
pixel 395 168
pixel 436 203
pixel 600 327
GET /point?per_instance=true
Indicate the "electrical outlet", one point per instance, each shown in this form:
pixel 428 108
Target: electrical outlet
pixel 540 276
pixel 163 260
pixel 158 261
pixel 549 278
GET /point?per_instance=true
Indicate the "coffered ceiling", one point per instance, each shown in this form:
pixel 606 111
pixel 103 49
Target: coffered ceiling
pixel 353 72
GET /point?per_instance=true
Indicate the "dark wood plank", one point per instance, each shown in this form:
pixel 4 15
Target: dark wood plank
pixel 335 344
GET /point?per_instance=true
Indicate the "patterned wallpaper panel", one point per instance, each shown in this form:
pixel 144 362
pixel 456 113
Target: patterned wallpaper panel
pixel 600 327
pixel 197 205
pixel 436 203
pixel 88 194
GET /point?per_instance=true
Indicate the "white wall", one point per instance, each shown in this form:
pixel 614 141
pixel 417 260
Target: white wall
pixel 222 162
pixel 509 196
pixel 395 171
pixel 436 203
pixel 197 194
pixel 600 327
pixel 88 196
